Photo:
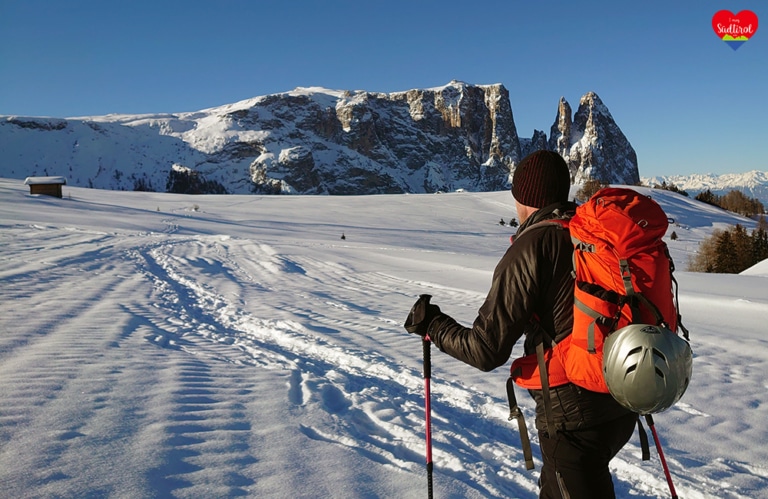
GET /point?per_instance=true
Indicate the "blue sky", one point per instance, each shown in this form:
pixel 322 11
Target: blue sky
pixel 687 102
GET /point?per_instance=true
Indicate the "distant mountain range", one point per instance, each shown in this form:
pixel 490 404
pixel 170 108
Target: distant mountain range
pixel 753 184
pixel 318 141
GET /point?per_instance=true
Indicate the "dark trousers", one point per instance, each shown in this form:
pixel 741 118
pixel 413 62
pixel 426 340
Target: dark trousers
pixel 581 459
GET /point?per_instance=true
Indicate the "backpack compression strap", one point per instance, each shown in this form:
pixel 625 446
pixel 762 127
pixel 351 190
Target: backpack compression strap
pixel 641 433
pixel 516 413
pixel 591 328
pixel 633 298
pixel 514 409
pixel 686 335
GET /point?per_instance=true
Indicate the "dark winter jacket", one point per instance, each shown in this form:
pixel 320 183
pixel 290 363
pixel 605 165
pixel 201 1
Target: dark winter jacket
pixel 533 280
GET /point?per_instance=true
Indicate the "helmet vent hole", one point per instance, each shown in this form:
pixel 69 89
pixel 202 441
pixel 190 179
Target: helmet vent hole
pixel 660 355
pixel 659 373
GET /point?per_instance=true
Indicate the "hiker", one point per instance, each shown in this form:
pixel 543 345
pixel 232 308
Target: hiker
pixel 532 294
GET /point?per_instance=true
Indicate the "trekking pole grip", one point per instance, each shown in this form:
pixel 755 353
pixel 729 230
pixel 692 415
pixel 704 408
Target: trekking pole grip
pixel 427 345
pixel 429 481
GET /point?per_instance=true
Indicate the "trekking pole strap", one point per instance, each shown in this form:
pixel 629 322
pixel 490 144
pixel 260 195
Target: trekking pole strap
pixel 516 413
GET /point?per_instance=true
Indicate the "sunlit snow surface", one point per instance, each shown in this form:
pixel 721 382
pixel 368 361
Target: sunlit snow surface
pixel 157 345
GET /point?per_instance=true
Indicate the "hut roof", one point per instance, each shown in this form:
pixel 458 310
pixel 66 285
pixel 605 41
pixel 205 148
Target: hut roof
pixel 45 180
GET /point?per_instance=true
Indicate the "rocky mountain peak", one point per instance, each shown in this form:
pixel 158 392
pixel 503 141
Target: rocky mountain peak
pixel 318 141
pixel 592 143
pixel 560 133
pixel 421 140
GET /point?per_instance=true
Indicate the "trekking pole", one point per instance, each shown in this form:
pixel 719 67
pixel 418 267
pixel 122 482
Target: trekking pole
pixel 427 343
pixel 649 420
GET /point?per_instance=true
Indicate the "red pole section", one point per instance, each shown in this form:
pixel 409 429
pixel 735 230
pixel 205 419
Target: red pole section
pixel 667 474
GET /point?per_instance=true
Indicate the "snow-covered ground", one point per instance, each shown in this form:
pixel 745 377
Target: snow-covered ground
pixel 157 345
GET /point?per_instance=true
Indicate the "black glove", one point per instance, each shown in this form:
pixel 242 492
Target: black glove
pixel 421 315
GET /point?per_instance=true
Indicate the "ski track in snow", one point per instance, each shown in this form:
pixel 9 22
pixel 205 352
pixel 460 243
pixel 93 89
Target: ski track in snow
pixel 206 301
pixel 59 367
pixel 377 407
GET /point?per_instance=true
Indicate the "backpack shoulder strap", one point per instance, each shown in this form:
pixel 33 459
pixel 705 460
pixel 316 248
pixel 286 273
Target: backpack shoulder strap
pixel 514 410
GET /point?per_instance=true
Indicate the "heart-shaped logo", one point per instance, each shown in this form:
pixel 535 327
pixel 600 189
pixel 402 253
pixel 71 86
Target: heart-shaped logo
pixel 734 29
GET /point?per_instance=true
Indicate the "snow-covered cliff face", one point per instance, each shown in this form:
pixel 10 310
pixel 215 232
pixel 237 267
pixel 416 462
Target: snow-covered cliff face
pixel 318 141
pixel 457 136
pixel 592 144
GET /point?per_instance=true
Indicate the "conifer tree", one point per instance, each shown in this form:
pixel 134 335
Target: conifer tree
pixel 742 243
pixel 760 242
pixel 724 252
pixel 707 197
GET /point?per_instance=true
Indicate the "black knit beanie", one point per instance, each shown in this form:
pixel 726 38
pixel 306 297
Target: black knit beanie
pixel 542 178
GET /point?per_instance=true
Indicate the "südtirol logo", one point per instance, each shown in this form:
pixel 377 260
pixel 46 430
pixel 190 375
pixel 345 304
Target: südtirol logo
pixel 734 29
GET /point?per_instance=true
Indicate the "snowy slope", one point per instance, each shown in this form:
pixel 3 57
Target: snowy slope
pixel 156 345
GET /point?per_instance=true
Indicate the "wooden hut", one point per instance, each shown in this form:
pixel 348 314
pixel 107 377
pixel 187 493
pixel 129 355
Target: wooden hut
pixel 49 186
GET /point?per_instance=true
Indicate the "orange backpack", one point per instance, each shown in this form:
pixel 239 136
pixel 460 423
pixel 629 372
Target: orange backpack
pixel 623 275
